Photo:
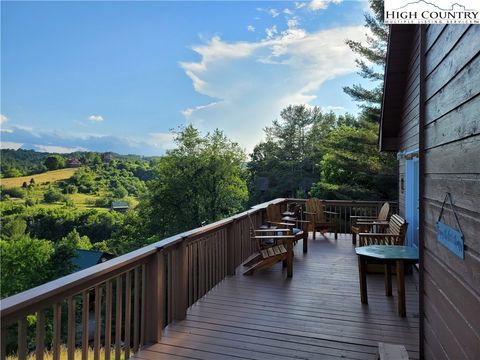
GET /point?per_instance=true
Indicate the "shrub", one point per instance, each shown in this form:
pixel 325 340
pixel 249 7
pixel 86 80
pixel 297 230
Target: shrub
pixel 29 202
pixel 14 192
pixel 70 189
pixel 52 195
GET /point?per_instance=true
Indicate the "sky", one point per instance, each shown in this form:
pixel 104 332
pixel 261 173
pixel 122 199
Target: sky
pixel 119 76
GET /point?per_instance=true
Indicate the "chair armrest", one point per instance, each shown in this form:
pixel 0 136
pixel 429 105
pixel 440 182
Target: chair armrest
pixel 278 237
pixel 272 230
pixel 358 217
pixel 280 223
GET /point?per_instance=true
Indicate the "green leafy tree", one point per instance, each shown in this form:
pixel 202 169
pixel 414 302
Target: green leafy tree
pixel 13 228
pixel 353 168
pixel 54 162
pixel 286 162
pixel 24 261
pixel 371 62
pixel 52 195
pixel 200 181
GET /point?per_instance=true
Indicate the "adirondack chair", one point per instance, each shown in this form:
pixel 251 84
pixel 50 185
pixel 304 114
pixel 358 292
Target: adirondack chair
pixel 394 234
pixel 362 224
pixel 270 247
pixel 320 219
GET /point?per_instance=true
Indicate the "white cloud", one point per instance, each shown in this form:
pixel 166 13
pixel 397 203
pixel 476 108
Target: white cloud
pixel 316 5
pixel 250 82
pixel 335 109
pixel 287 11
pixel 188 112
pixel 61 142
pixel 271 31
pixel 95 118
pixel 273 12
pixel 9 131
pixel 300 4
pixel 162 140
pixel 58 149
pixel 292 23
pixel 251 28
pixel 10 145
pixel 3 119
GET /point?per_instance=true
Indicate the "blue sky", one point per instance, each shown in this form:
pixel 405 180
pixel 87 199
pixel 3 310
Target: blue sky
pixel 118 76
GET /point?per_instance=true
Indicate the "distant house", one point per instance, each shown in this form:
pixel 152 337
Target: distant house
pixel 87 258
pixel 73 163
pixel 120 206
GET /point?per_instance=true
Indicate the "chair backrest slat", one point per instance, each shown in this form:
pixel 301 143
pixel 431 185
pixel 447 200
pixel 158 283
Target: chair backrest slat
pixel 316 206
pixel 385 209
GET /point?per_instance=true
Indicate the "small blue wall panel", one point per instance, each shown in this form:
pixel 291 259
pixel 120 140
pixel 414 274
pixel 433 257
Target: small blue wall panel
pixel 451 238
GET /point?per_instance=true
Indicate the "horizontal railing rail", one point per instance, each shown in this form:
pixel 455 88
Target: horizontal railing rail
pixel 125 303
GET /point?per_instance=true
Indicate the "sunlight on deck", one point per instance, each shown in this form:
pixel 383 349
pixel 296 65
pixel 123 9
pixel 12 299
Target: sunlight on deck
pixel 315 315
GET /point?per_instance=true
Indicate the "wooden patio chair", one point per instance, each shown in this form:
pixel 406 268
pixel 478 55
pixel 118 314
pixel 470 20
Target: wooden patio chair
pixel 362 224
pixel 394 234
pixel 270 247
pixel 320 219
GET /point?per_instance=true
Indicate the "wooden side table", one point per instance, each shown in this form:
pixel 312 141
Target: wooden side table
pixel 388 255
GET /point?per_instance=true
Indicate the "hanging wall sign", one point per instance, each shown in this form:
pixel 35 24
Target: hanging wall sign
pixel 448 236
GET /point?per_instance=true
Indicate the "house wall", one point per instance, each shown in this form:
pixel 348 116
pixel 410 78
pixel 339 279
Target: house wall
pixel 452 164
pixel 408 131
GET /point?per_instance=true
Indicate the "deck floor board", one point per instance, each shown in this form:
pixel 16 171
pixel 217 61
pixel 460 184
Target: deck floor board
pixel 315 315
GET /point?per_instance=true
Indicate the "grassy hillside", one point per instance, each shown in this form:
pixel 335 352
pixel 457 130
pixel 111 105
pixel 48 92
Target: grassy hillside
pixel 49 176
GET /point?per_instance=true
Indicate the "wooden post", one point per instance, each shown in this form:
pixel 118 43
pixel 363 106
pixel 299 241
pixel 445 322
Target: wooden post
pixel 362 273
pixel 401 287
pixel 154 298
pixel 388 279
pixel 40 335
pixel 231 248
pixel 180 276
pixel 289 258
pixel 22 339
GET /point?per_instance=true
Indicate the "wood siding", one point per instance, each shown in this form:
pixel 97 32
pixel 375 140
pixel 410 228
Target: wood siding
pixel 408 133
pixel 451 286
pixel 452 154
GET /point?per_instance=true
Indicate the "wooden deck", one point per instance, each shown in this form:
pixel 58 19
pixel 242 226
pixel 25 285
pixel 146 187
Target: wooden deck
pixel 315 315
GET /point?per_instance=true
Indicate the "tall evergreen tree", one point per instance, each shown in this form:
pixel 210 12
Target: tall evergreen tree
pixel 371 62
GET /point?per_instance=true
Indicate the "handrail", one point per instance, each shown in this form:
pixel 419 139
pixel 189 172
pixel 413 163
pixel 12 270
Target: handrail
pixel 92 275
pixel 161 279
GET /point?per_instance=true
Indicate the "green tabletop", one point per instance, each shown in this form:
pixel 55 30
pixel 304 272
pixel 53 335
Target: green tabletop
pixel 388 252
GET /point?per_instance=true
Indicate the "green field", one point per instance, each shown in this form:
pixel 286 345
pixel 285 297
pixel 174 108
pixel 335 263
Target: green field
pixel 49 176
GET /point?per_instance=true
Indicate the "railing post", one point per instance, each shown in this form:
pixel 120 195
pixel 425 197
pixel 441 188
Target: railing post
pixel 180 283
pixel 231 248
pixel 154 298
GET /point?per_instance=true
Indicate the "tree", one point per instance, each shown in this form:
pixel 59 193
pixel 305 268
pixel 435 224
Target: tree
pixel 52 195
pixel 201 181
pixel 287 159
pixel 23 264
pixel 371 62
pixel 54 162
pixel 353 168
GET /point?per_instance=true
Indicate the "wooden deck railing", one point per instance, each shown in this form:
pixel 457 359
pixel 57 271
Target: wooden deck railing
pixel 125 302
